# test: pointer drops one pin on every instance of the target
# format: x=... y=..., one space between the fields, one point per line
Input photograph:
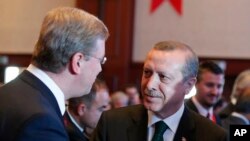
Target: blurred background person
x=119 y=99
x=241 y=82
x=84 y=112
x=220 y=105
x=209 y=86
x=241 y=113
x=133 y=94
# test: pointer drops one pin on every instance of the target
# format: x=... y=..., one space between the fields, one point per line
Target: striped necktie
x=160 y=128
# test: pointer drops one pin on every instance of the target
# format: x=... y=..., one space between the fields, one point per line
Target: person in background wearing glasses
x=84 y=112
x=63 y=66
x=169 y=73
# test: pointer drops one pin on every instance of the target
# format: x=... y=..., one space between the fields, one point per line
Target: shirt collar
x=170 y=121
x=203 y=111
x=57 y=92
x=235 y=114
x=73 y=120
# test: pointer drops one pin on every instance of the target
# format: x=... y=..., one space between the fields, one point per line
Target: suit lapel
x=190 y=105
x=138 y=129
x=45 y=91
x=186 y=127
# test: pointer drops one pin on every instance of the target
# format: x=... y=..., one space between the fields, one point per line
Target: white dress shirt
x=172 y=122
x=57 y=92
x=73 y=120
x=202 y=111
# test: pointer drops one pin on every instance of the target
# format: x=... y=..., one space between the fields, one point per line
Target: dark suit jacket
x=232 y=120
x=224 y=113
x=130 y=124
x=74 y=133
x=189 y=103
x=29 y=111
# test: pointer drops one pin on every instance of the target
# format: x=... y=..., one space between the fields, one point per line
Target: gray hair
x=242 y=81
x=66 y=31
x=190 y=68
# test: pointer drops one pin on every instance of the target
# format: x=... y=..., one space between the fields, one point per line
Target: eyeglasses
x=102 y=60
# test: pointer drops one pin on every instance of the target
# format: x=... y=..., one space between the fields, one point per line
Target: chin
x=152 y=107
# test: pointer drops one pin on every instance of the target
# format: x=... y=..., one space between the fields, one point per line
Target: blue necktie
x=160 y=128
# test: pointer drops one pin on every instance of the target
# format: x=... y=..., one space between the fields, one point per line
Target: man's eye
x=210 y=85
x=164 y=78
x=147 y=73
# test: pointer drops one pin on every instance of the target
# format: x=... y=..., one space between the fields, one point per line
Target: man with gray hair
x=241 y=82
x=169 y=73
x=66 y=60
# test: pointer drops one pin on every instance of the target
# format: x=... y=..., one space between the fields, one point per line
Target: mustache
x=152 y=93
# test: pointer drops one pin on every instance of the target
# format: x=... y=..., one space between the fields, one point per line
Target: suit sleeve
x=42 y=128
x=100 y=132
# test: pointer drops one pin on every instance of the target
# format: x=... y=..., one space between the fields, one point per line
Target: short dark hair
x=210 y=66
x=88 y=98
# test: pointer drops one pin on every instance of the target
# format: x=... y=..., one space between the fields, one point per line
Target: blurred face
x=91 y=116
x=120 y=102
x=209 y=88
x=131 y=92
x=133 y=95
x=92 y=66
x=163 y=89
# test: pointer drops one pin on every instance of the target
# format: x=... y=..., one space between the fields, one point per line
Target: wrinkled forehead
x=165 y=61
x=175 y=56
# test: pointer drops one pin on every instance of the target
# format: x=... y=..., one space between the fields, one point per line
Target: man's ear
x=189 y=84
x=76 y=62
x=81 y=109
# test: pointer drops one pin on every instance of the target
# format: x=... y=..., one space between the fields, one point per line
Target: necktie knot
x=208 y=115
x=160 y=128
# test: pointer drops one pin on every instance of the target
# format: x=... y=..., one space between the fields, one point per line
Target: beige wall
x=214 y=28
x=20 y=22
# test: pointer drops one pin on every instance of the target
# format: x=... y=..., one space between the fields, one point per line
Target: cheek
x=221 y=90
x=203 y=90
x=143 y=83
x=166 y=92
x=172 y=93
x=94 y=69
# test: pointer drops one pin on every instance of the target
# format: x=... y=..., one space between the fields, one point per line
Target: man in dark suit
x=65 y=63
x=84 y=112
x=169 y=73
x=209 y=86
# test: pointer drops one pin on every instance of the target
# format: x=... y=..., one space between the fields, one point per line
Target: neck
x=59 y=79
x=88 y=131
